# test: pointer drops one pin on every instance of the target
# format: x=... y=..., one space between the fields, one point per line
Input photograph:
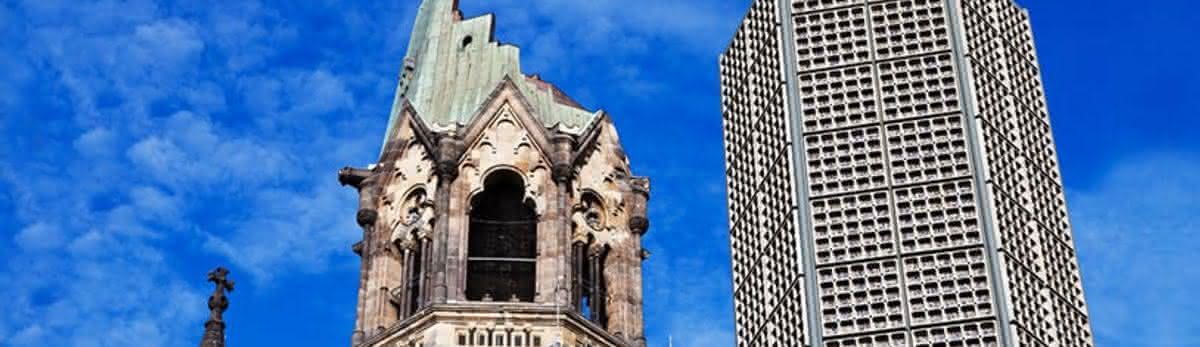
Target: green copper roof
x=453 y=65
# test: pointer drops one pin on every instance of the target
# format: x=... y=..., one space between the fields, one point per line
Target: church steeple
x=452 y=65
x=501 y=212
x=433 y=17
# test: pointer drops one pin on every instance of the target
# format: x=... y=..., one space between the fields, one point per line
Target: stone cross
x=214 y=328
x=218 y=302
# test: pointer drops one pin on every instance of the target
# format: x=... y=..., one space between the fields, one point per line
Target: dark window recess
x=593 y=288
x=414 y=281
x=502 y=245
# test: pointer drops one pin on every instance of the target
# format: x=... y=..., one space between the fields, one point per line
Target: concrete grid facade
x=893 y=179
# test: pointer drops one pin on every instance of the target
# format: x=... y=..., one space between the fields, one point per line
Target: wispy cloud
x=143 y=137
x=1136 y=234
x=613 y=34
x=180 y=143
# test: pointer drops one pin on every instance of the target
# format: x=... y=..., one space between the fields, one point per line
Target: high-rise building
x=501 y=212
x=893 y=180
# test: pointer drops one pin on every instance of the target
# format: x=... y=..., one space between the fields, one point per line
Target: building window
x=502 y=244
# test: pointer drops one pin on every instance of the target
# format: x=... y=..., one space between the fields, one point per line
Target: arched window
x=502 y=242
x=590 y=260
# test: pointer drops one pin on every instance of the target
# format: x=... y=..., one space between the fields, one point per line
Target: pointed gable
x=507 y=104
x=409 y=128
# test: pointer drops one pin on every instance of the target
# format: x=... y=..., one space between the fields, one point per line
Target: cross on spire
x=218 y=302
x=214 y=328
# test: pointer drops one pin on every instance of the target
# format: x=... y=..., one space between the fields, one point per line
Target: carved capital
x=639 y=224
x=596 y=250
x=367 y=217
x=564 y=145
x=580 y=238
x=447 y=170
x=408 y=244
x=562 y=172
x=449 y=149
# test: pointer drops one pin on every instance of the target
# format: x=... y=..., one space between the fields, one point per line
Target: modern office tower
x=893 y=180
x=501 y=212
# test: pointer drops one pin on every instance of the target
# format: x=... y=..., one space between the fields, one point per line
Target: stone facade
x=519 y=224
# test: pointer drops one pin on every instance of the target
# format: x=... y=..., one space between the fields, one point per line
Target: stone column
x=564 y=146
x=596 y=296
x=365 y=182
x=577 y=261
x=366 y=219
x=637 y=336
x=639 y=224
x=450 y=149
x=400 y=293
x=392 y=274
x=358 y=335
x=425 y=281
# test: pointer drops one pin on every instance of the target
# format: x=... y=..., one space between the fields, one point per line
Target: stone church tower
x=501 y=212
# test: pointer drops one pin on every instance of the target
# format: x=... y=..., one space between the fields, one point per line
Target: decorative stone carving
x=414 y=221
x=366 y=217
x=600 y=174
x=506 y=143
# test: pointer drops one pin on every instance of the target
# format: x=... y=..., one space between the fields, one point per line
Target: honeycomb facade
x=893 y=179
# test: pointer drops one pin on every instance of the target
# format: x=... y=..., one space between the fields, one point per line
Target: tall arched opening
x=502 y=241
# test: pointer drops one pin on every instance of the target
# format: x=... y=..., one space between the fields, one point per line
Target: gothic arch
x=502 y=241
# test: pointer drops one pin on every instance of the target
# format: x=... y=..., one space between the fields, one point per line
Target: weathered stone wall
x=415 y=212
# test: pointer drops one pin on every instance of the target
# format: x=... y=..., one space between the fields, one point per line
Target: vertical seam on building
x=890 y=185
x=800 y=175
x=1000 y=295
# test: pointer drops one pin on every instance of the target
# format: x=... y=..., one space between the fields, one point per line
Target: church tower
x=500 y=212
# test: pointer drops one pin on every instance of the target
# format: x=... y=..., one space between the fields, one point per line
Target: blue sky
x=142 y=143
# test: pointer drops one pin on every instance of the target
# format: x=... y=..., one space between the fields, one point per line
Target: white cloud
x=300 y=231
x=40 y=237
x=191 y=153
x=165 y=42
x=610 y=33
x=96 y=142
x=1136 y=235
x=162 y=138
x=316 y=93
